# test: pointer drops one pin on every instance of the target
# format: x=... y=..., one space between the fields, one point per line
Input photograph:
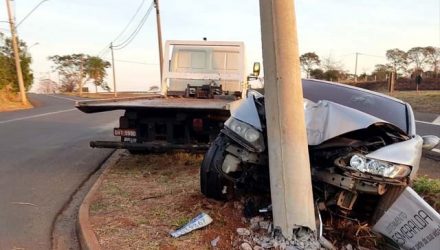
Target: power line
x=136 y=31
x=106 y=49
x=134 y=62
x=129 y=22
x=30 y=12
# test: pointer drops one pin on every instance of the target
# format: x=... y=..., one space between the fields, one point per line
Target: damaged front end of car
x=360 y=163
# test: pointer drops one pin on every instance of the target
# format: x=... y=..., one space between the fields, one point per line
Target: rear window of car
x=379 y=106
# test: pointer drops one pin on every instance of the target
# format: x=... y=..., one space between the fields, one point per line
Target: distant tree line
x=415 y=61
x=77 y=69
x=8 y=72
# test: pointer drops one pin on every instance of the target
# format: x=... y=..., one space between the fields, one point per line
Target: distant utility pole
x=289 y=166
x=81 y=72
x=356 y=67
x=24 y=99
x=114 y=72
x=159 y=37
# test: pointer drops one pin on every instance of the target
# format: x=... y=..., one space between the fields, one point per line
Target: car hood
x=326 y=120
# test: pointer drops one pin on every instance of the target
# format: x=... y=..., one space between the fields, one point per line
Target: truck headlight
x=376 y=167
x=250 y=135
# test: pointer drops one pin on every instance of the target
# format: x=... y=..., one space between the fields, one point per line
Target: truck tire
x=211 y=181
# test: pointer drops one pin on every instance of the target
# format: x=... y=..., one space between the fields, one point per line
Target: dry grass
x=424 y=101
x=11 y=101
x=143 y=198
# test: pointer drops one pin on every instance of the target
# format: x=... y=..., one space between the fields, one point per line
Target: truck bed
x=154 y=102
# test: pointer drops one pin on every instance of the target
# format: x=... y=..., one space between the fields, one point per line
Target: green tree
x=8 y=73
x=77 y=69
x=309 y=61
x=433 y=58
x=334 y=75
x=317 y=74
x=417 y=56
x=95 y=68
x=71 y=70
x=398 y=59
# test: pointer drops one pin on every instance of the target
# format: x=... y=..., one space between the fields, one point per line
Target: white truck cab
x=204 y=69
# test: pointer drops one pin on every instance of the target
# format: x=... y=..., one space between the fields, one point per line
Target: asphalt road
x=427 y=124
x=44 y=157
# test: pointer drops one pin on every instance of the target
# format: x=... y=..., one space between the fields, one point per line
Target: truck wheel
x=211 y=181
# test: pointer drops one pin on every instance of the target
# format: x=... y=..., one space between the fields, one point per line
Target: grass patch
x=429 y=189
x=97 y=206
x=424 y=101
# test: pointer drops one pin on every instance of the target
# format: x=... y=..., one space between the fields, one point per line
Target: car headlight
x=376 y=167
x=247 y=132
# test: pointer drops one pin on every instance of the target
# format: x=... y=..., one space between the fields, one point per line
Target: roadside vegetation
x=416 y=61
x=429 y=189
x=9 y=99
x=423 y=101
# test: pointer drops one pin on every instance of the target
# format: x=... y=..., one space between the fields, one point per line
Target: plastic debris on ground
x=201 y=220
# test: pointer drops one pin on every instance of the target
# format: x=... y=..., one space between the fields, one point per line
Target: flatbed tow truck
x=200 y=81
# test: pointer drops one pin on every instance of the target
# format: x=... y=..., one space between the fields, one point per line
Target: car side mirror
x=430 y=142
x=256 y=69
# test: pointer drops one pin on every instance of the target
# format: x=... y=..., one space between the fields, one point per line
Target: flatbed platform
x=154 y=102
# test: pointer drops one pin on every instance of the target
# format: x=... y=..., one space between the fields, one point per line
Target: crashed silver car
x=362 y=145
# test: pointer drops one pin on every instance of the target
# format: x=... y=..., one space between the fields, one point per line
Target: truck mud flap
x=150 y=146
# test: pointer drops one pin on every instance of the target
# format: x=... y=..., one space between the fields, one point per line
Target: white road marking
x=437 y=120
x=429 y=123
x=35 y=116
x=65 y=98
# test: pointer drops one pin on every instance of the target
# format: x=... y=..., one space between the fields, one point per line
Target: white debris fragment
x=199 y=221
x=243 y=232
x=245 y=246
x=214 y=242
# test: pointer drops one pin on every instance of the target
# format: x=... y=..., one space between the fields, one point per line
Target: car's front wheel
x=212 y=183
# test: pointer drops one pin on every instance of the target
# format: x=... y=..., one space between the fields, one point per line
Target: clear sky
x=328 y=27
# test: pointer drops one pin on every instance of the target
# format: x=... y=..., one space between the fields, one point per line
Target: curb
x=86 y=236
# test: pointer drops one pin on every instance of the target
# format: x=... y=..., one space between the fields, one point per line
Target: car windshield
x=388 y=109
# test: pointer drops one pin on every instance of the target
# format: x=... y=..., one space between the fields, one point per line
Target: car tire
x=386 y=201
x=212 y=182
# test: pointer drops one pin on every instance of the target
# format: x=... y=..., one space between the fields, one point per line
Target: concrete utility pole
x=290 y=177
x=24 y=99
x=159 y=37
x=114 y=72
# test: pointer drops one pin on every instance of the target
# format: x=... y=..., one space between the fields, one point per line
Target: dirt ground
x=430 y=168
x=145 y=197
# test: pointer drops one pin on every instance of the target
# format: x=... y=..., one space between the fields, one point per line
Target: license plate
x=124 y=132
